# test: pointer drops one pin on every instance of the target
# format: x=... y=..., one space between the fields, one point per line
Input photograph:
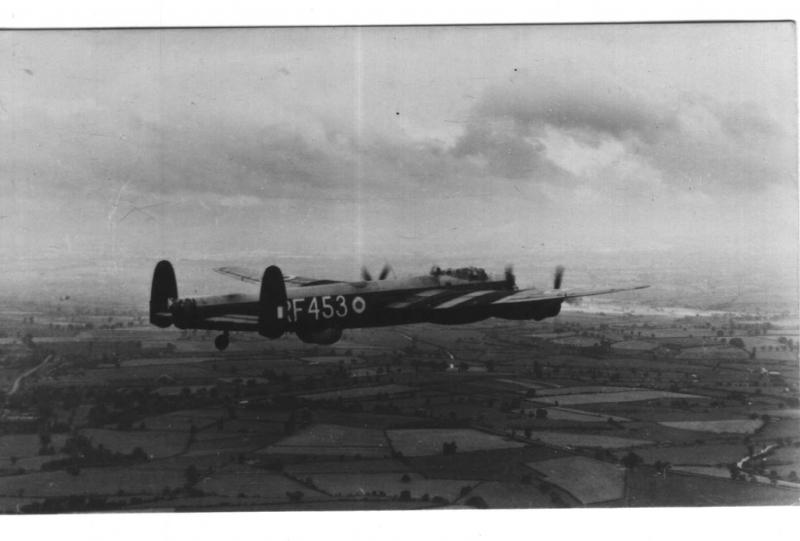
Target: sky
x=398 y=142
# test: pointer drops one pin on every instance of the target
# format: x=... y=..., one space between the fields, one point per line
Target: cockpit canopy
x=473 y=274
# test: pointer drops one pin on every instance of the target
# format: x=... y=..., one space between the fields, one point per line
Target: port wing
x=251 y=276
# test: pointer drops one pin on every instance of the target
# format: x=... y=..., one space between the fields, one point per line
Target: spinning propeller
x=367 y=277
x=558 y=277
x=511 y=280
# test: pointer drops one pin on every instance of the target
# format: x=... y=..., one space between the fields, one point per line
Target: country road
x=17 y=382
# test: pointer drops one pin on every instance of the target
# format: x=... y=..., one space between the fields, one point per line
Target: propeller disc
x=367 y=276
x=558 y=277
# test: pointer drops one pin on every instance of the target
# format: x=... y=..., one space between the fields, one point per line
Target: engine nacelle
x=324 y=336
x=536 y=313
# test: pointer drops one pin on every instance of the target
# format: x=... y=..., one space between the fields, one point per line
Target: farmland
x=605 y=406
x=423 y=442
x=736 y=426
x=589 y=481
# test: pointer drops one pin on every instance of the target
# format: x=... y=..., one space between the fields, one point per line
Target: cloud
x=687 y=140
x=335 y=139
x=507 y=150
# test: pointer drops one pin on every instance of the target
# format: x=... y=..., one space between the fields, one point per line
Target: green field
x=305 y=469
x=359 y=392
x=726 y=426
x=155 y=443
x=784 y=460
x=25 y=445
x=333 y=440
x=253 y=483
x=390 y=484
x=589 y=481
x=568 y=414
x=621 y=396
x=566 y=439
x=583 y=389
x=430 y=441
x=498 y=495
x=708 y=454
x=107 y=481
x=181 y=421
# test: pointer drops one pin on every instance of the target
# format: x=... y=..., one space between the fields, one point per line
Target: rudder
x=163 y=288
x=272 y=304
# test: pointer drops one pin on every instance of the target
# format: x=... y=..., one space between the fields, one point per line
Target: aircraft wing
x=533 y=295
x=253 y=277
x=447 y=299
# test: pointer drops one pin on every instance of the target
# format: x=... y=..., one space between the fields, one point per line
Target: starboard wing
x=253 y=277
x=534 y=295
x=442 y=299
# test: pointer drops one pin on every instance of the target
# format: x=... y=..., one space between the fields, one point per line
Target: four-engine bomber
x=317 y=311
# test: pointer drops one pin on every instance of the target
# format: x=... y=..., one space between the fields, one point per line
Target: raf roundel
x=359 y=305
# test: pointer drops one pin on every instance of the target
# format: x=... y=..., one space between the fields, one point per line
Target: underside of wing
x=254 y=277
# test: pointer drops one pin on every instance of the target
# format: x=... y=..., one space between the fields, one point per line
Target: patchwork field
x=161 y=361
x=359 y=392
x=713 y=352
x=252 y=483
x=229 y=443
x=732 y=426
x=389 y=484
x=568 y=414
x=108 y=481
x=499 y=495
x=324 y=439
x=576 y=341
x=711 y=471
x=156 y=444
x=31 y=463
x=566 y=439
x=522 y=383
x=589 y=481
x=784 y=461
x=284 y=441
x=330 y=359
x=785 y=413
x=15 y=504
x=305 y=469
x=782 y=428
x=619 y=396
x=182 y=420
x=709 y=454
x=25 y=445
x=634 y=345
x=430 y=441
x=582 y=389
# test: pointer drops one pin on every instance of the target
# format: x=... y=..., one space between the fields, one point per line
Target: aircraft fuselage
x=355 y=304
